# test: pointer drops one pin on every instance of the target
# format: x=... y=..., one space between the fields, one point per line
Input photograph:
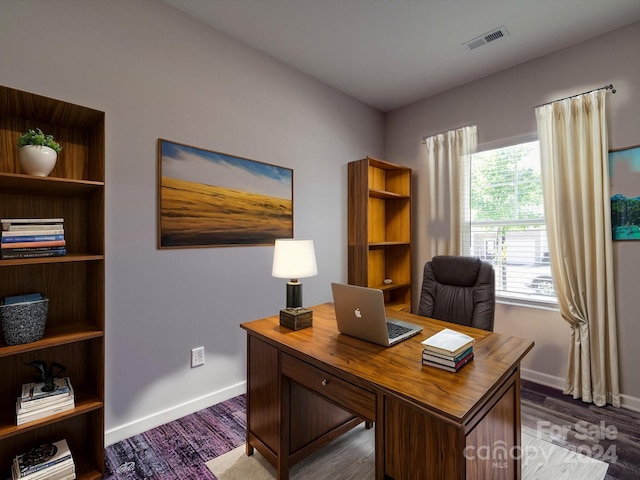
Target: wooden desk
x=307 y=387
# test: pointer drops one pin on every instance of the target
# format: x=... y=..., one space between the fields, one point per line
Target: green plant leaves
x=37 y=137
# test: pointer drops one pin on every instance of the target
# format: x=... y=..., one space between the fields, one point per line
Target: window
x=504 y=221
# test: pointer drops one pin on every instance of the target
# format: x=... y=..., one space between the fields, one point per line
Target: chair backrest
x=459 y=290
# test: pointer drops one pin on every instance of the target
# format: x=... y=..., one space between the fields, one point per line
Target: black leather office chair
x=459 y=290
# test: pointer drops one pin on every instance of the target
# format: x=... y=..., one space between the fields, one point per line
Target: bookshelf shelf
x=70 y=257
x=8 y=427
x=394 y=286
x=21 y=183
x=74 y=283
x=374 y=245
x=386 y=195
x=53 y=338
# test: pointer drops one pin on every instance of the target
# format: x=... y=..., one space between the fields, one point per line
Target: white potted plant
x=38 y=152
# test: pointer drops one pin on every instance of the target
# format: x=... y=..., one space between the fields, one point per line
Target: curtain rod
x=606 y=87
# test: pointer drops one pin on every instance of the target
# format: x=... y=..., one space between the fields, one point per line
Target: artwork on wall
x=212 y=199
x=624 y=172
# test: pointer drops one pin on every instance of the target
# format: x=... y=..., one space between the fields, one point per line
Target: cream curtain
x=575 y=181
x=447 y=156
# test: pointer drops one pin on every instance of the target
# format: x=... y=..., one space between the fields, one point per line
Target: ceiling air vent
x=486 y=38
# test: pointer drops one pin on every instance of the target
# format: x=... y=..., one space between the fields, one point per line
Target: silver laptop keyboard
x=395 y=330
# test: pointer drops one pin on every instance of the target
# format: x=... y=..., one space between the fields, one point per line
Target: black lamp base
x=296 y=318
x=294 y=294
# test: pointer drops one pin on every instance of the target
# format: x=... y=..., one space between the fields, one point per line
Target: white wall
x=502 y=106
x=158 y=73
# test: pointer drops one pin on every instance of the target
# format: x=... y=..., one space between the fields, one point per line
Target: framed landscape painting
x=624 y=173
x=212 y=199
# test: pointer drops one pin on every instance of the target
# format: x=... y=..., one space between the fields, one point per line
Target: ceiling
x=389 y=53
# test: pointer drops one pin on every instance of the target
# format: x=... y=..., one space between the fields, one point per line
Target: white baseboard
x=542 y=378
x=136 y=427
x=626 y=401
x=630 y=403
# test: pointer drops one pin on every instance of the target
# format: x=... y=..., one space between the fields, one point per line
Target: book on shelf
x=61 y=471
x=29 y=401
x=448 y=342
x=31 y=249
x=42 y=403
x=25 y=232
x=70 y=476
x=44 y=237
x=34 y=391
x=449 y=368
x=10 y=222
x=44 y=462
x=16 y=228
x=47 y=243
x=25 y=298
x=68 y=473
x=9 y=254
x=45 y=412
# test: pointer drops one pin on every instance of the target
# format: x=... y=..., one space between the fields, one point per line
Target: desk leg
x=282 y=462
x=379 y=437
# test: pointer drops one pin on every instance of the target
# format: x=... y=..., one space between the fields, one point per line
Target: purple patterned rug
x=178 y=450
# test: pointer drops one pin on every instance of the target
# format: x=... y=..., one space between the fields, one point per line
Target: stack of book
x=448 y=350
x=36 y=403
x=51 y=461
x=32 y=238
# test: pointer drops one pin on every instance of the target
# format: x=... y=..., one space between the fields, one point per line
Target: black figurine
x=47 y=376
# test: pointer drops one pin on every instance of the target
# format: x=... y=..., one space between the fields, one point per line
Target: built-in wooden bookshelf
x=74 y=284
x=379 y=216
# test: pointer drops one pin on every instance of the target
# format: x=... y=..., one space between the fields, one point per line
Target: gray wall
x=502 y=106
x=158 y=73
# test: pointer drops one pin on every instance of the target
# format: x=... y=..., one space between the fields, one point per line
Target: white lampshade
x=294 y=259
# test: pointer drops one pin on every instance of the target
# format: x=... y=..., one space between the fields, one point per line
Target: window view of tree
x=506 y=219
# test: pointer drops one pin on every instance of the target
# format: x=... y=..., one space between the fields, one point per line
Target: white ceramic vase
x=37 y=160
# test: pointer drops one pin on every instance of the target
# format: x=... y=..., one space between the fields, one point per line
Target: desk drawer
x=344 y=394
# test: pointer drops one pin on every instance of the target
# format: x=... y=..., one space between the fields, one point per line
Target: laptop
x=360 y=313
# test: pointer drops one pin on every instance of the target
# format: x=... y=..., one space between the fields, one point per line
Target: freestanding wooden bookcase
x=74 y=284
x=379 y=216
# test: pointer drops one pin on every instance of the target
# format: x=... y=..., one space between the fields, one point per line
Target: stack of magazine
x=37 y=401
x=448 y=350
x=51 y=461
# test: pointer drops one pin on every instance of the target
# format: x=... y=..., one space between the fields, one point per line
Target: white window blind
x=504 y=221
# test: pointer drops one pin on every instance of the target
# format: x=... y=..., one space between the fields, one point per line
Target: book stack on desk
x=448 y=350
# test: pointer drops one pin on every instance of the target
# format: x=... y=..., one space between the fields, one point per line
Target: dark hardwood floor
x=606 y=433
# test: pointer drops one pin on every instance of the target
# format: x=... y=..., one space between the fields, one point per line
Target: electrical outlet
x=197 y=357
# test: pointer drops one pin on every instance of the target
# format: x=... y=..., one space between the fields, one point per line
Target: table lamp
x=294 y=259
